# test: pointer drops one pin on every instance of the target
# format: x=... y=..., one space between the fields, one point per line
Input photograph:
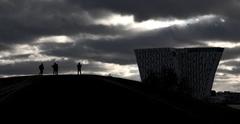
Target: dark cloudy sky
x=103 y=34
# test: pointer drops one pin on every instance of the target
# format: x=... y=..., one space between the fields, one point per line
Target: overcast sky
x=102 y=34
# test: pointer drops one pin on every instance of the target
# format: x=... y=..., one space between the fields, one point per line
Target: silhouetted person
x=41 y=68
x=55 y=68
x=79 y=68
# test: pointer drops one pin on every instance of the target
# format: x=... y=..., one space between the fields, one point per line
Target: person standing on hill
x=41 y=68
x=79 y=68
x=55 y=68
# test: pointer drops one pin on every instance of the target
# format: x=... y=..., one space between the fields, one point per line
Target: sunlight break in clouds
x=151 y=24
x=225 y=67
x=108 y=69
x=226 y=81
x=222 y=44
x=30 y=53
x=129 y=21
x=118 y=70
x=55 y=39
x=20 y=49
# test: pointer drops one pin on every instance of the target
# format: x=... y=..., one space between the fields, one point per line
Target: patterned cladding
x=195 y=67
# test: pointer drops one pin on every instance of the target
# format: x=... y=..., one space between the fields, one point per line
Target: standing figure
x=79 y=68
x=55 y=68
x=41 y=68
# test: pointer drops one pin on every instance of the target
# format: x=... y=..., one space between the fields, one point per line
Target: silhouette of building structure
x=193 y=69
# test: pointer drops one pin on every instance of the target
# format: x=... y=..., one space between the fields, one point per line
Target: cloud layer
x=104 y=34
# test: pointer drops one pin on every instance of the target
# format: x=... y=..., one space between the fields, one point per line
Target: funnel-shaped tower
x=191 y=69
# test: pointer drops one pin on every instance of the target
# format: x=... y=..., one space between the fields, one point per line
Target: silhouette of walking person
x=79 y=68
x=41 y=68
x=55 y=68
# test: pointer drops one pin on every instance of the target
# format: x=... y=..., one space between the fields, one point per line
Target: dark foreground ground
x=95 y=98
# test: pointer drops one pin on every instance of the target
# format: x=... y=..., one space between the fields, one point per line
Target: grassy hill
x=103 y=97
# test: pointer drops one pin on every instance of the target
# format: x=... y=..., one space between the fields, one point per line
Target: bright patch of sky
x=226 y=81
x=20 y=49
x=225 y=44
x=151 y=24
x=118 y=70
x=55 y=39
x=225 y=67
x=110 y=69
x=30 y=52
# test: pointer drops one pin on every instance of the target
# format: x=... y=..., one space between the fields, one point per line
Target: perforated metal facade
x=195 y=68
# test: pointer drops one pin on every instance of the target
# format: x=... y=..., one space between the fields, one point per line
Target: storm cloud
x=104 y=34
x=145 y=9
